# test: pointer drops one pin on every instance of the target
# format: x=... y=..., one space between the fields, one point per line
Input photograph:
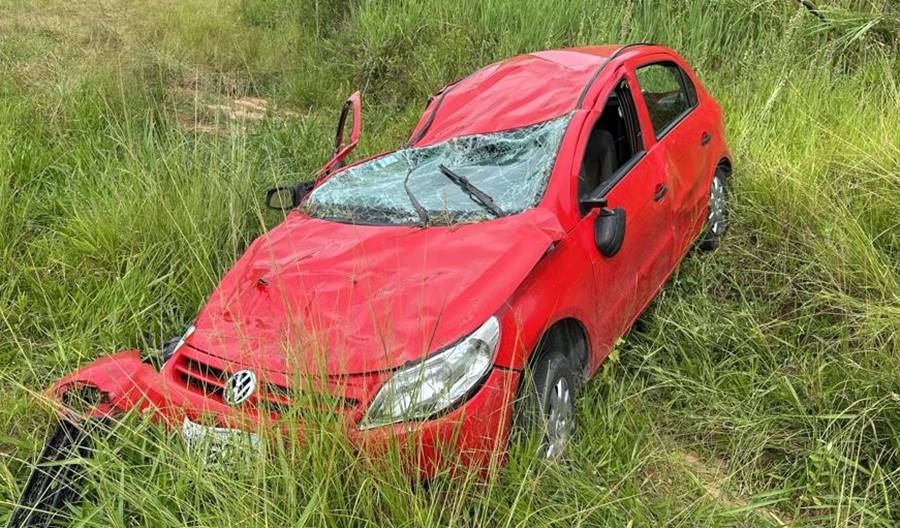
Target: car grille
x=274 y=398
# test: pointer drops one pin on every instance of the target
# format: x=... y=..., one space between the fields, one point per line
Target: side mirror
x=609 y=231
x=285 y=198
x=592 y=202
x=343 y=146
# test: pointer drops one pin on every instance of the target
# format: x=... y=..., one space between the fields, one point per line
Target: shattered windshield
x=463 y=179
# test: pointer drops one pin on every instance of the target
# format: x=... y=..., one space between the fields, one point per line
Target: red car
x=469 y=281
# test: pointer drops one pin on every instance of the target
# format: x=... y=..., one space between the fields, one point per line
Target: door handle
x=705 y=138
x=661 y=190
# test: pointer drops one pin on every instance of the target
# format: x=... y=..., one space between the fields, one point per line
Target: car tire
x=717 y=217
x=547 y=403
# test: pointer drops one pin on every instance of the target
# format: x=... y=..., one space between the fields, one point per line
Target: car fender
x=546 y=297
x=126 y=380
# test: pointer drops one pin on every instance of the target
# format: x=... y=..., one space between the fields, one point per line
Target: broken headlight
x=437 y=382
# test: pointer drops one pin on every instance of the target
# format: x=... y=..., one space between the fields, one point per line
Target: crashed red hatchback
x=486 y=267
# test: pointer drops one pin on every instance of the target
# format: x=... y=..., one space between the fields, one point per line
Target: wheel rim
x=561 y=419
x=718 y=214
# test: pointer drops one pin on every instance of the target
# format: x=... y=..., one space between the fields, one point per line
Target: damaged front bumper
x=474 y=434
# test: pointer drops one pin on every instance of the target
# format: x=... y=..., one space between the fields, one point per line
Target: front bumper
x=474 y=434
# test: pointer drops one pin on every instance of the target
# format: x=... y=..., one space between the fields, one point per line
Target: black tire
x=53 y=483
x=717 y=219
x=544 y=414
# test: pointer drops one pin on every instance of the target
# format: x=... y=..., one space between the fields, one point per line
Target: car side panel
x=574 y=280
x=560 y=287
x=683 y=160
x=681 y=151
x=689 y=160
x=544 y=298
x=627 y=281
x=717 y=149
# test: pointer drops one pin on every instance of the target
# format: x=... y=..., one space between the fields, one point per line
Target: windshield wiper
x=474 y=193
x=423 y=214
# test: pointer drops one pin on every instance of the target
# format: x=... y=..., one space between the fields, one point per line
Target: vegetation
x=762 y=388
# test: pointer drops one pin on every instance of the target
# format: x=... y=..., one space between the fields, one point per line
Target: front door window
x=614 y=144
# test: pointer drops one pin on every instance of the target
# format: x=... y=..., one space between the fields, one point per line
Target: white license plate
x=219 y=445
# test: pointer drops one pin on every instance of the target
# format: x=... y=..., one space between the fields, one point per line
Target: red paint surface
x=346 y=304
x=373 y=297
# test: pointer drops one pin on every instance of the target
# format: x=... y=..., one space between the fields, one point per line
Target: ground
x=762 y=387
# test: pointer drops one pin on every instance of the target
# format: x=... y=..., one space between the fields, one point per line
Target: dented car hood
x=314 y=295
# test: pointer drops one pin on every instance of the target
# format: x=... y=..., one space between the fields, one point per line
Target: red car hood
x=313 y=294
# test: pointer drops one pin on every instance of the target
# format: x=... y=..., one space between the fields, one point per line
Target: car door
x=637 y=188
x=670 y=101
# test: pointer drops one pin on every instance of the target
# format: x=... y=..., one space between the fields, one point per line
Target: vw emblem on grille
x=239 y=387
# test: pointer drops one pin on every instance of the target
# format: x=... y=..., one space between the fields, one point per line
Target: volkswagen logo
x=239 y=387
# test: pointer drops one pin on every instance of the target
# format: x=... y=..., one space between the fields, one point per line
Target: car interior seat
x=600 y=161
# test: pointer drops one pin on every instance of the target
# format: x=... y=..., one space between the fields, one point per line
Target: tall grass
x=762 y=387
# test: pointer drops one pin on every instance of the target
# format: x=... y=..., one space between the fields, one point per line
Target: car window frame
x=603 y=190
x=683 y=80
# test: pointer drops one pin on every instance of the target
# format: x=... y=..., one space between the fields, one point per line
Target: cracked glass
x=408 y=186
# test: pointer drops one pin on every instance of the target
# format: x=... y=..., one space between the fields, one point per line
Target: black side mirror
x=609 y=231
x=591 y=202
x=284 y=198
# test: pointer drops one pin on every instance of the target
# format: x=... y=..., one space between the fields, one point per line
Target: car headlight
x=437 y=382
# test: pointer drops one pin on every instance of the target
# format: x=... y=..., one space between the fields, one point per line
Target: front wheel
x=548 y=403
x=717 y=220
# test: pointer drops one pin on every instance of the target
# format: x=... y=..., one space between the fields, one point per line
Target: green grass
x=763 y=385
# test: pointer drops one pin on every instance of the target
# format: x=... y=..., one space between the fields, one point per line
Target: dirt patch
x=249 y=108
x=205 y=113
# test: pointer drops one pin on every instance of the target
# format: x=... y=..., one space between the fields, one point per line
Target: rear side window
x=668 y=92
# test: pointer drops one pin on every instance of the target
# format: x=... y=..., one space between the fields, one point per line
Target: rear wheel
x=547 y=404
x=717 y=220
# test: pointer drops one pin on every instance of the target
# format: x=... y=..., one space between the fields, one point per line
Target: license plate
x=219 y=445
